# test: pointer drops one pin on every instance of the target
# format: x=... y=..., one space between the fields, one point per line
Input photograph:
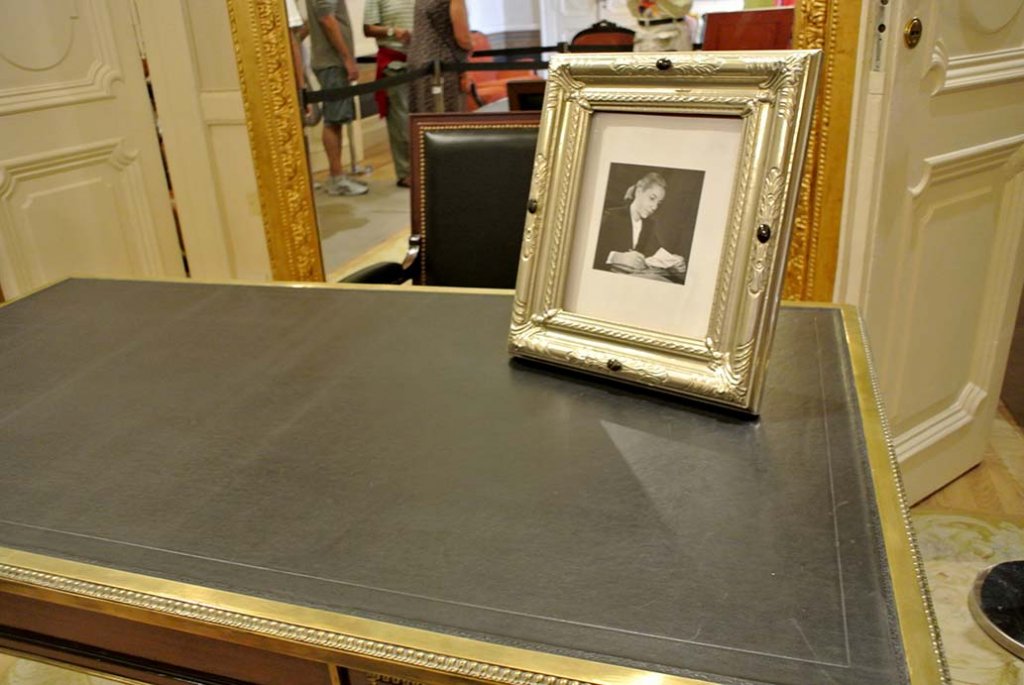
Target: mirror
x=360 y=187
x=286 y=181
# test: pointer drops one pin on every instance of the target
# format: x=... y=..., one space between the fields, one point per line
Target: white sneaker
x=341 y=185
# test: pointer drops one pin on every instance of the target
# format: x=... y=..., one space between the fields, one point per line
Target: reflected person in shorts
x=334 y=63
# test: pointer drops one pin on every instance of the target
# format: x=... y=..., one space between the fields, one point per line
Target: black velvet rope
x=332 y=94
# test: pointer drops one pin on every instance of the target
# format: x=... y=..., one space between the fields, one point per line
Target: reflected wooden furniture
x=226 y=483
x=762 y=29
x=526 y=95
x=488 y=86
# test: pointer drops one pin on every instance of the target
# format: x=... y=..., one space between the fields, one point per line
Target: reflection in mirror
x=361 y=198
x=351 y=226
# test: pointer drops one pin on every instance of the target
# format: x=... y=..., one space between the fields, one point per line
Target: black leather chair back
x=470 y=184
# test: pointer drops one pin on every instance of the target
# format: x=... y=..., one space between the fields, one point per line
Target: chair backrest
x=470 y=187
x=606 y=35
x=764 y=29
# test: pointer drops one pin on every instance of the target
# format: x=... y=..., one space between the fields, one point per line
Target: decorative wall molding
x=138 y=227
x=939 y=426
x=967 y=161
x=97 y=83
x=1002 y=164
x=989 y=16
x=222 y=108
x=938 y=66
x=983 y=70
x=60 y=160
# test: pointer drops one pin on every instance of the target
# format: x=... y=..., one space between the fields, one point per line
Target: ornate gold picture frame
x=661 y=206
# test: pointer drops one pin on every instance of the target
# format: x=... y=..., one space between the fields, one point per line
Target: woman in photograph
x=629 y=240
x=440 y=31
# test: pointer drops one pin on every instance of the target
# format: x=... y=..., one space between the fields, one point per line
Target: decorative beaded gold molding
x=831 y=26
x=285 y=631
x=925 y=659
x=259 y=32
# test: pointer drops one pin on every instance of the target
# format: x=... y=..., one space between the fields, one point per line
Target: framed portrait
x=662 y=198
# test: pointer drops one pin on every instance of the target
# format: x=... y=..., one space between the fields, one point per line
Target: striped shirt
x=396 y=13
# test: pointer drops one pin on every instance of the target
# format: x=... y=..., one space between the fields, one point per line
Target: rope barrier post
x=437 y=87
x=354 y=133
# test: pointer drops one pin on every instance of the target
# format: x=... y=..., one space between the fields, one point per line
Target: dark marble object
x=997 y=603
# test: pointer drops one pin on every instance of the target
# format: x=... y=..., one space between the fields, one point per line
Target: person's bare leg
x=332 y=146
x=338 y=183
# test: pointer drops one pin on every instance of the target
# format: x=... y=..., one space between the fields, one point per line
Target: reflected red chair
x=489 y=86
x=604 y=36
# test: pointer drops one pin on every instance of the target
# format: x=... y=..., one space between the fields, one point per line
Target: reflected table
x=230 y=483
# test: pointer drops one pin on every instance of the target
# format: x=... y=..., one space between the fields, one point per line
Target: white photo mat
x=708 y=144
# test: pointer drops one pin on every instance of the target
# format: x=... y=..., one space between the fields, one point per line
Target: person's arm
x=300 y=76
x=381 y=31
x=460 y=24
x=332 y=30
x=374 y=27
x=631 y=260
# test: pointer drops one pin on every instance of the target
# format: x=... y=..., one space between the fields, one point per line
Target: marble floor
x=352 y=229
x=972 y=523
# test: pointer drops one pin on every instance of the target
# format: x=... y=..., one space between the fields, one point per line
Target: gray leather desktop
x=374 y=453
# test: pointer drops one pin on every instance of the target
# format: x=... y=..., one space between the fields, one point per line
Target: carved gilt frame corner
x=259 y=32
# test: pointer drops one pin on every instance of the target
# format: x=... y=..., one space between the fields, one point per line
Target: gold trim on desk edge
x=65 y=582
x=922 y=643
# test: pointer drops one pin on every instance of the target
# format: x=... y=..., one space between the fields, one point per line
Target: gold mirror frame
x=259 y=31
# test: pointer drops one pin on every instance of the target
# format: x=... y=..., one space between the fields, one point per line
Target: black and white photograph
x=653 y=210
x=648 y=220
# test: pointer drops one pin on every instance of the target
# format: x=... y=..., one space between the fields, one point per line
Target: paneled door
x=935 y=213
x=560 y=20
x=82 y=186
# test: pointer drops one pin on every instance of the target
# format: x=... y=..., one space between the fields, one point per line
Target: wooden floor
x=994 y=487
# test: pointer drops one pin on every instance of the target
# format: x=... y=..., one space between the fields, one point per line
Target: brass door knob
x=912 y=32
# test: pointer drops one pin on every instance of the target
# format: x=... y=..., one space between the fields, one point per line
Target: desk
x=285 y=484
